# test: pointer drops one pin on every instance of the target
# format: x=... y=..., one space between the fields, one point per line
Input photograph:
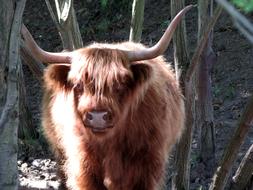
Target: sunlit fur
x=148 y=118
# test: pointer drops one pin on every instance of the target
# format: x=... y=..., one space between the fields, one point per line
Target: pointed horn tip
x=158 y=51
x=188 y=7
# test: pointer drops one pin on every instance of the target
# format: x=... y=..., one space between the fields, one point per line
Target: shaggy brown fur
x=148 y=116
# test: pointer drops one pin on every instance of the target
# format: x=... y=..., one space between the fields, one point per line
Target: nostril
x=89 y=116
x=107 y=116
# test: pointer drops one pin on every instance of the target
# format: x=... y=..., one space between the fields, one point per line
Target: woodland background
x=109 y=21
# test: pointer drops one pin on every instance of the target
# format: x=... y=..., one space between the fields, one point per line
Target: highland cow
x=113 y=114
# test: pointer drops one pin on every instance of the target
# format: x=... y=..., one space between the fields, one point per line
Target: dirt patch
x=232 y=76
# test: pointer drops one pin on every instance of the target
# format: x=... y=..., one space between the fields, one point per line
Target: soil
x=232 y=77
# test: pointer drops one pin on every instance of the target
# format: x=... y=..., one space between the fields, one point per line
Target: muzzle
x=98 y=120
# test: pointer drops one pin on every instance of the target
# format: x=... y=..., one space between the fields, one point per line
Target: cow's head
x=102 y=79
x=103 y=82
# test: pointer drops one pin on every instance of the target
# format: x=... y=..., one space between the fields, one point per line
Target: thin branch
x=137 y=20
x=244 y=171
x=54 y=18
x=202 y=44
x=242 y=23
x=236 y=14
x=244 y=31
x=66 y=23
x=222 y=173
x=57 y=6
x=64 y=10
x=181 y=178
x=184 y=143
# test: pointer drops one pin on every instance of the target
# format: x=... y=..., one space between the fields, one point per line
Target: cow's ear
x=141 y=72
x=56 y=76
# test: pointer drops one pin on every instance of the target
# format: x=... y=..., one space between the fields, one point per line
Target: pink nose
x=98 y=120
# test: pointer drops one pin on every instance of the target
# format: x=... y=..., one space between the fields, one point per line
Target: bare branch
x=202 y=44
x=223 y=170
x=244 y=31
x=244 y=171
x=137 y=20
x=54 y=18
x=65 y=20
x=242 y=23
x=181 y=178
x=63 y=10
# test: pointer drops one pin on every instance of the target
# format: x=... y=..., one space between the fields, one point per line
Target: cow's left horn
x=43 y=56
x=162 y=44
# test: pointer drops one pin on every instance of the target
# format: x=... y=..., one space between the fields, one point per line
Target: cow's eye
x=120 y=91
x=78 y=88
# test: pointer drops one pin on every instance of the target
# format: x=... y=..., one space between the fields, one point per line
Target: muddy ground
x=232 y=76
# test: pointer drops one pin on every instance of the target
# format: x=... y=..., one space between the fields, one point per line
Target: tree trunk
x=65 y=20
x=137 y=20
x=181 y=179
x=181 y=58
x=10 y=22
x=203 y=85
x=181 y=61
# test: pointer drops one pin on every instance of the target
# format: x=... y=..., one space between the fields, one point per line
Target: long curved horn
x=44 y=56
x=162 y=44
